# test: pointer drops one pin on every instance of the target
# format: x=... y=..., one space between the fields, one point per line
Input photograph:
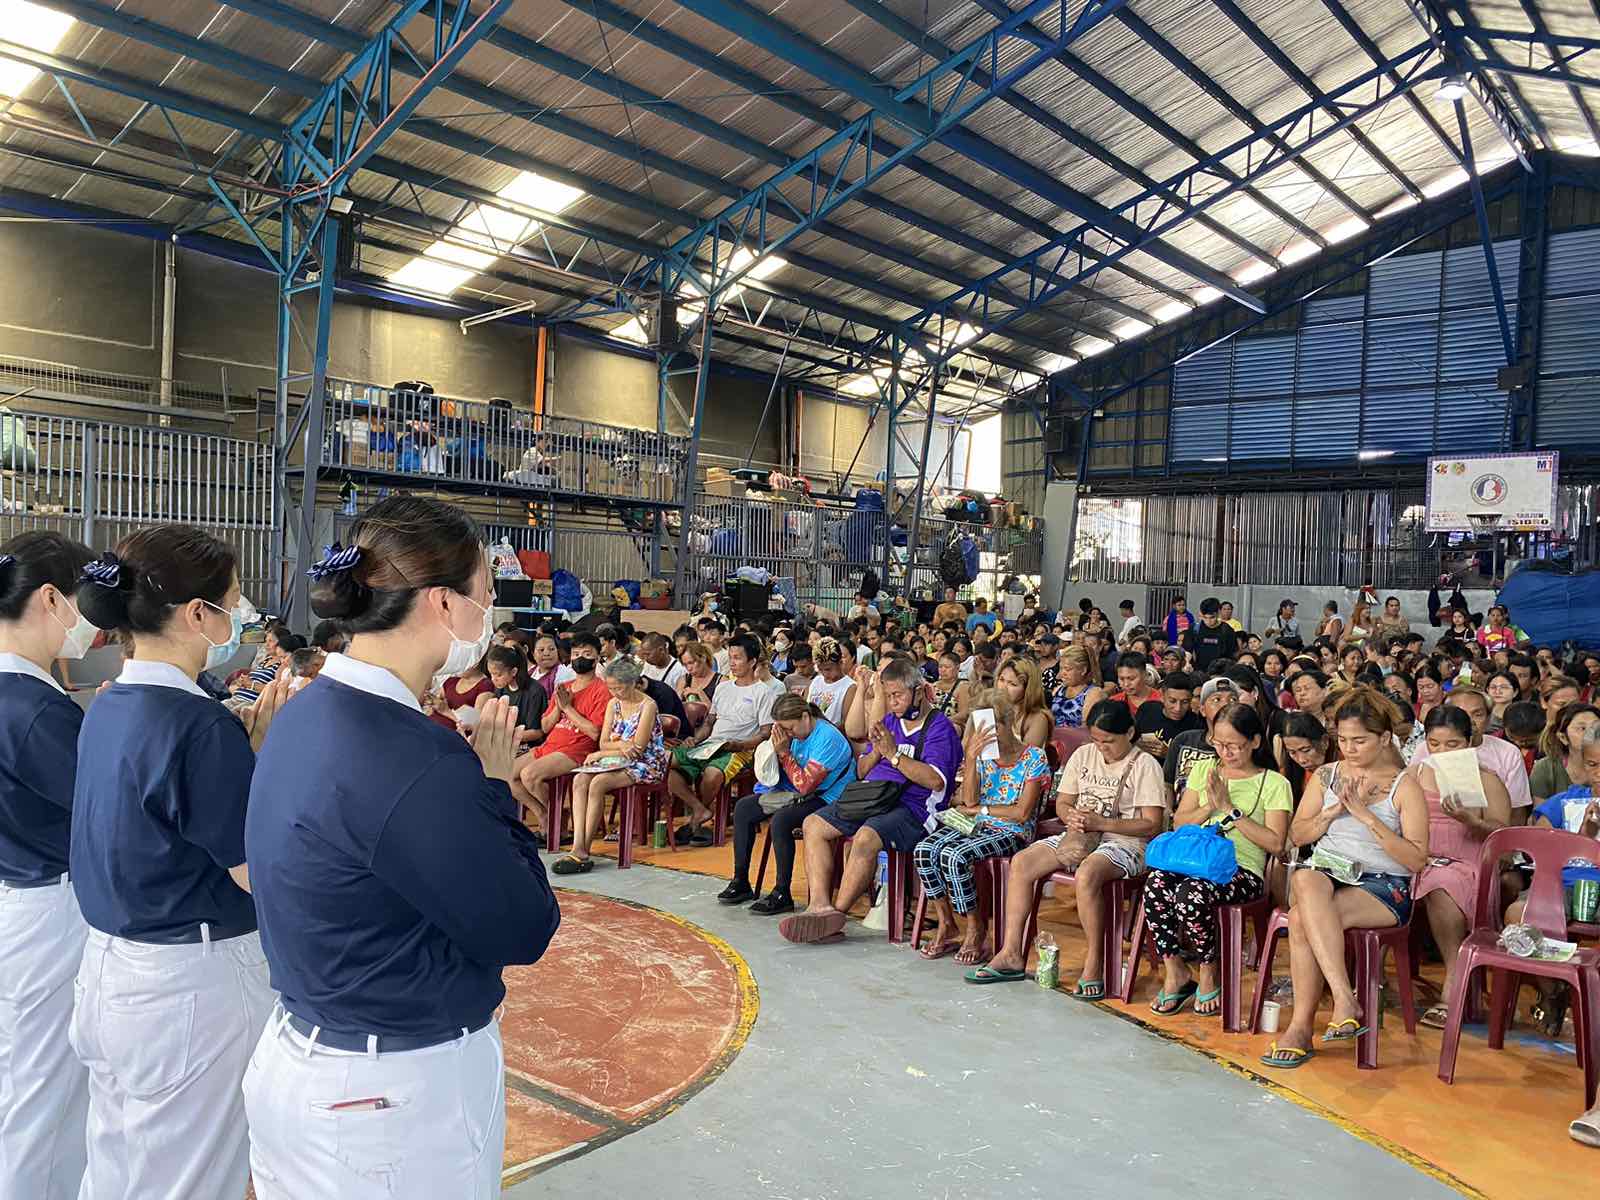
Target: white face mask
x=464 y=654
x=79 y=637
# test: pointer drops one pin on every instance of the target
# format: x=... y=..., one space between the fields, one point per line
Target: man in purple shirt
x=899 y=753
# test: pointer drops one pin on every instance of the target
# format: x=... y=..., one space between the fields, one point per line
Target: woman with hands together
x=631 y=739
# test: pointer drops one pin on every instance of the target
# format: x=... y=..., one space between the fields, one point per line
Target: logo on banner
x=1489 y=489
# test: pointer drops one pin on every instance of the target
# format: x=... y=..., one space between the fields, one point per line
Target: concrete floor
x=871 y=1073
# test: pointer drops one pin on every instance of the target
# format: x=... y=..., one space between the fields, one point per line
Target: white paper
x=466 y=717
x=982 y=719
x=1456 y=773
x=706 y=751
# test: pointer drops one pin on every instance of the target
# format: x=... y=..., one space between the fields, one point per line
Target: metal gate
x=99 y=482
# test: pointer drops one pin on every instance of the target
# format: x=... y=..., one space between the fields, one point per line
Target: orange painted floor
x=1499 y=1131
x=628 y=1013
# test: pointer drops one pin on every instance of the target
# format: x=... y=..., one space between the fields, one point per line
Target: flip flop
x=1206 y=998
x=571 y=865
x=1586 y=1129
x=987 y=974
x=937 y=950
x=1436 y=1017
x=1088 y=989
x=1168 y=1004
x=807 y=928
x=1346 y=1030
x=978 y=956
x=1297 y=1057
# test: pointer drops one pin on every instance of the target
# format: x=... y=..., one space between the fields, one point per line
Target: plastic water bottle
x=1048 y=971
x=883 y=868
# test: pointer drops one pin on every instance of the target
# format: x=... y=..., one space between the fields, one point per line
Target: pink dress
x=1449 y=839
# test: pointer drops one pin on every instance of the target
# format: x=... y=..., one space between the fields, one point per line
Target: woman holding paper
x=1465 y=804
x=1367 y=823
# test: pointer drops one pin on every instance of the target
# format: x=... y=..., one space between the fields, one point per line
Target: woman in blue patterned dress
x=1002 y=792
x=1078 y=692
x=630 y=738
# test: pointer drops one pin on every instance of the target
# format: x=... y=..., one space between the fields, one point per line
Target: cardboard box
x=542 y=587
x=731 y=489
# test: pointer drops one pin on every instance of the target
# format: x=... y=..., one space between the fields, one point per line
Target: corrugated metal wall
x=1569 y=368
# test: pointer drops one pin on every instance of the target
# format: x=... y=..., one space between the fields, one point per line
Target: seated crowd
x=943 y=738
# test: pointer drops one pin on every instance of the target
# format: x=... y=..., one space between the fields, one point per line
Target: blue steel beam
x=1522 y=134
x=1291 y=70
x=1100 y=380
x=720 y=67
x=1481 y=210
x=915 y=108
x=1150 y=119
x=1557 y=70
x=876 y=11
x=1053 y=266
x=1359 y=35
x=1548 y=42
x=1157 y=42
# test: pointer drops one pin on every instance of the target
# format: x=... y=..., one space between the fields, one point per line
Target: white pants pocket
x=147 y=1040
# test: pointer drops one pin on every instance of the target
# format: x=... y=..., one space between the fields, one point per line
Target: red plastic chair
x=636 y=811
x=1067 y=738
x=991 y=876
x=1546 y=910
x=1230 y=925
x=1364 y=950
x=555 y=813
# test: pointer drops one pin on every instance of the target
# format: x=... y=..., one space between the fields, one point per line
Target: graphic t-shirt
x=1152 y=718
x=1099 y=788
x=1184 y=753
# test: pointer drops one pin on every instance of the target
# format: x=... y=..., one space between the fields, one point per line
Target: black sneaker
x=773 y=903
x=735 y=893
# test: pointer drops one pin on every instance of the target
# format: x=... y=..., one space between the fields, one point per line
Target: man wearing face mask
x=571 y=725
x=41 y=927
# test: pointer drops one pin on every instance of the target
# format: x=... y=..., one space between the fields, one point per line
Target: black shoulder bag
x=864 y=799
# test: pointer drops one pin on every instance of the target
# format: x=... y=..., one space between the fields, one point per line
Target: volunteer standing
x=173 y=989
x=394 y=883
x=44 y=1090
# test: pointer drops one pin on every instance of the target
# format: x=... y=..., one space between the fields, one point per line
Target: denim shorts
x=1392 y=891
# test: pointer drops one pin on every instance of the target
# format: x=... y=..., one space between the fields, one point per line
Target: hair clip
x=6 y=560
x=106 y=571
x=336 y=560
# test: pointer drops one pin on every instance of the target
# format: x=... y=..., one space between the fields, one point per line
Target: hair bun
x=104 y=590
x=340 y=596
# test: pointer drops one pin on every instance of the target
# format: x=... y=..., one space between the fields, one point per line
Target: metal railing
x=98 y=482
x=468 y=443
x=42 y=379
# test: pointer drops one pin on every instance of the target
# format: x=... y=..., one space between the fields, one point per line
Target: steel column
x=691 y=465
x=1533 y=216
x=1482 y=212
x=922 y=483
x=316 y=408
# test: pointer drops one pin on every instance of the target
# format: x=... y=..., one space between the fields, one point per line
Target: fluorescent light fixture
x=1451 y=88
x=536 y=191
x=36 y=28
x=1297 y=251
x=1346 y=229
x=1253 y=271
x=461 y=256
x=495 y=228
x=1369 y=455
x=430 y=275
x=631 y=331
x=1447 y=182
x=1217 y=458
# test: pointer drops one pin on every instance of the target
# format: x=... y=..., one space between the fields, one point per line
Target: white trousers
x=166 y=1032
x=44 y=1090
x=442 y=1131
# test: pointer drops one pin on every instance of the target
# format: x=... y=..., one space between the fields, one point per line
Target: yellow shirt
x=1255 y=798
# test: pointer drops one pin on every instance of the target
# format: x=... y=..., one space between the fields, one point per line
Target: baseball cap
x=766 y=764
x=1220 y=684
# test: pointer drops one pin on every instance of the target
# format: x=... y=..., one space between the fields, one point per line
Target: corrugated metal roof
x=578 y=126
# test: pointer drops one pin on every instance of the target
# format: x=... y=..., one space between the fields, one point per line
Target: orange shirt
x=566 y=738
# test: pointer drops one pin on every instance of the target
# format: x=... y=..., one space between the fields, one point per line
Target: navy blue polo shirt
x=393 y=879
x=38 y=762
x=163 y=780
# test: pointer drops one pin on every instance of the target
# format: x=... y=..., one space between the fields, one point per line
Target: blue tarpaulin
x=1555 y=607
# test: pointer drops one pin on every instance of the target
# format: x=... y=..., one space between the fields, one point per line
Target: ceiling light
x=495 y=228
x=461 y=256
x=1451 y=88
x=34 y=27
x=536 y=191
x=430 y=275
x=1368 y=455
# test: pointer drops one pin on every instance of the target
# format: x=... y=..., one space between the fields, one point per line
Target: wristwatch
x=1236 y=815
x=895 y=760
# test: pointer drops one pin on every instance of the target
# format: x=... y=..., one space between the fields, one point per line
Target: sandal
x=571 y=865
x=1551 y=1012
x=988 y=974
x=1586 y=1129
x=1346 y=1030
x=967 y=957
x=942 y=948
x=1286 y=1058
x=1088 y=989
x=1211 y=997
x=808 y=927
x=1436 y=1017
x=1167 y=1004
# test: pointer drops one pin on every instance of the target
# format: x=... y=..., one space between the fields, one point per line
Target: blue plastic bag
x=565 y=591
x=1201 y=851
